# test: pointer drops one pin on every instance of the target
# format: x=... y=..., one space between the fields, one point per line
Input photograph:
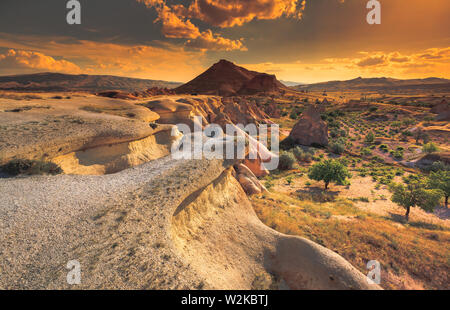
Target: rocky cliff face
x=261 y=83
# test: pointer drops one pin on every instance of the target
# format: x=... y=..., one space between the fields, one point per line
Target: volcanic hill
x=227 y=79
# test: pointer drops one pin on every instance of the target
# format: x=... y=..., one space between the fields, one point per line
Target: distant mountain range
x=379 y=84
x=224 y=78
x=291 y=84
x=67 y=82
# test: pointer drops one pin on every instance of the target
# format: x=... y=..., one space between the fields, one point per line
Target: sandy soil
x=379 y=199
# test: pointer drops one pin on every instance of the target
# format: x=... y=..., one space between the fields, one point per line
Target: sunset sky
x=298 y=40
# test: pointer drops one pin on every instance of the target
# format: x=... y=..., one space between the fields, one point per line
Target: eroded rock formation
x=162 y=225
x=310 y=129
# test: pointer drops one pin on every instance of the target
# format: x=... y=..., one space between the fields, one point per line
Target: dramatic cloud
x=229 y=13
x=397 y=57
x=207 y=41
x=174 y=27
x=34 y=61
x=176 y=19
x=160 y=62
x=372 y=61
x=426 y=63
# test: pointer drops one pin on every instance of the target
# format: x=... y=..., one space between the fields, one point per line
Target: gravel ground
x=115 y=225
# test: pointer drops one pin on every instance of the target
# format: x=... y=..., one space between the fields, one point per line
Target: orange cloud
x=162 y=62
x=35 y=61
x=397 y=57
x=372 y=61
x=174 y=27
x=176 y=23
x=426 y=63
x=207 y=41
x=229 y=13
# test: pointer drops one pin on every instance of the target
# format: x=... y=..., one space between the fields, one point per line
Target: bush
x=383 y=148
x=287 y=161
x=438 y=166
x=366 y=152
x=440 y=180
x=397 y=154
x=334 y=124
x=295 y=113
x=408 y=121
x=30 y=167
x=370 y=138
x=337 y=147
x=301 y=155
x=336 y=132
x=430 y=147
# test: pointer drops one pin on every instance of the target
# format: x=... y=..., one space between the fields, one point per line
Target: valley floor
x=361 y=224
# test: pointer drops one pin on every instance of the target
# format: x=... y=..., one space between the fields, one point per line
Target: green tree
x=415 y=193
x=430 y=147
x=329 y=171
x=370 y=138
x=440 y=180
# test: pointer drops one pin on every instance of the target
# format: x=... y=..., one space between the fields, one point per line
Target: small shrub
x=91 y=109
x=408 y=121
x=301 y=155
x=294 y=114
x=383 y=148
x=430 y=147
x=370 y=138
x=287 y=161
x=397 y=155
x=362 y=199
x=337 y=147
x=30 y=167
x=268 y=184
x=366 y=152
x=438 y=166
x=336 y=132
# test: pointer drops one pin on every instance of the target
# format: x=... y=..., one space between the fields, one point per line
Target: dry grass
x=414 y=255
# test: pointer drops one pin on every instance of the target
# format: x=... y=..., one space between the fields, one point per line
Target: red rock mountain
x=226 y=79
